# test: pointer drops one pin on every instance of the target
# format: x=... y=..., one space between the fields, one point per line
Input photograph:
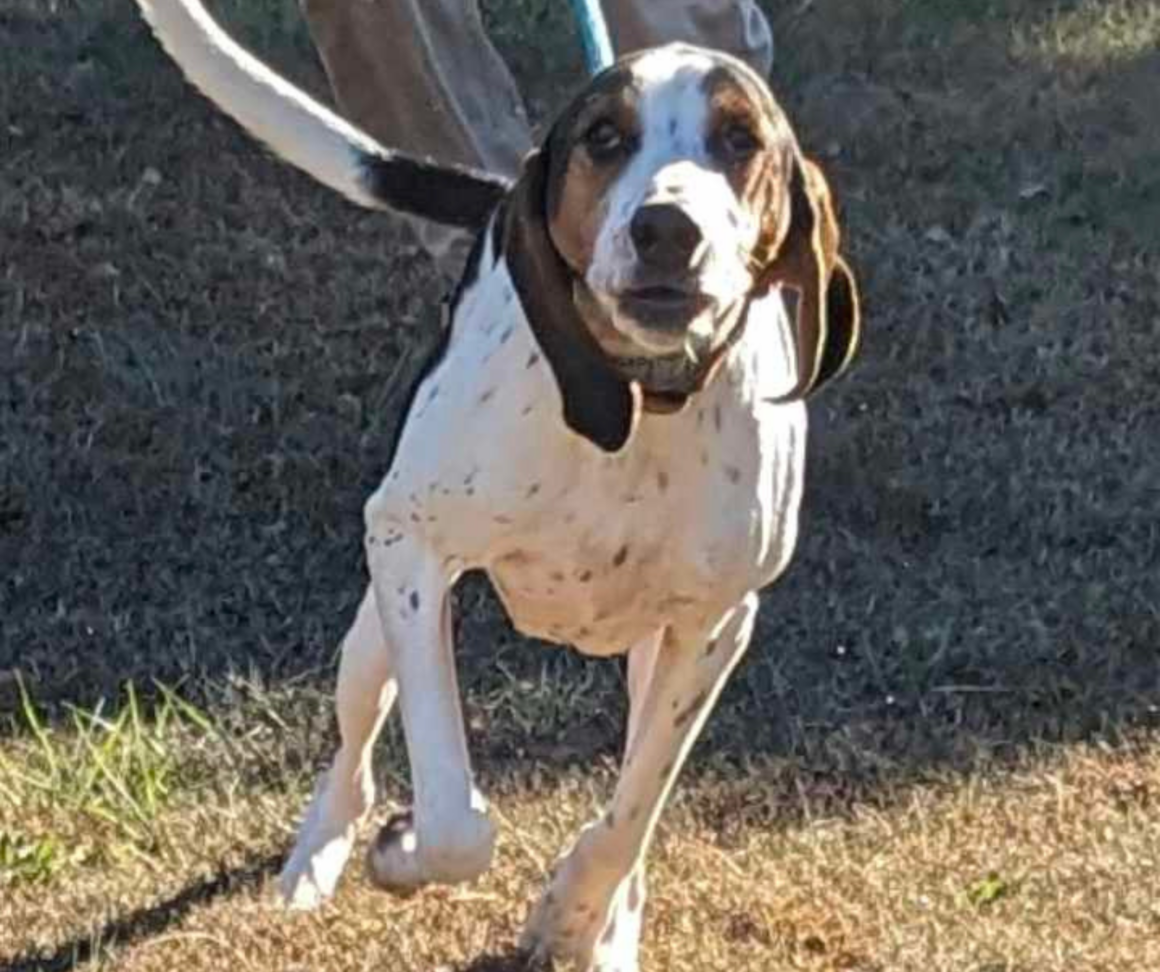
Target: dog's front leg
x=448 y=837
x=346 y=792
x=591 y=913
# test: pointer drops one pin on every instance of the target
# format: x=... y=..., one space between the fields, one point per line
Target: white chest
x=588 y=548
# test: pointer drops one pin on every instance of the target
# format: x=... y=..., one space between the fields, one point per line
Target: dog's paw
x=312 y=872
x=581 y=922
x=324 y=843
x=398 y=863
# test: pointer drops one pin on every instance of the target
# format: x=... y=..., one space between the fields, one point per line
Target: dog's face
x=669 y=194
x=668 y=187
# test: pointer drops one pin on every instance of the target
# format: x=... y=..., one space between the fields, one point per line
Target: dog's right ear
x=598 y=403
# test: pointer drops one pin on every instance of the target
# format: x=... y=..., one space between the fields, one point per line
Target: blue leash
x=594 y=35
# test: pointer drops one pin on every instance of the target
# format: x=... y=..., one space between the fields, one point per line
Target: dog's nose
x=664 y=236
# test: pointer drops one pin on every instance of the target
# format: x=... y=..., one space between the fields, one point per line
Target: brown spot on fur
x=717 y=422
x=634 y=813
x=532 y=490
x=733 y=473
x=533 y=359
x=557 y=576
x=662 y=480
x=735 y=102
x=621 y=556
x=486 y=396
x=711 y=648
x=690 y=710
x=579 y=183
x=585 y=576
x=414 y=600
x=610 y=819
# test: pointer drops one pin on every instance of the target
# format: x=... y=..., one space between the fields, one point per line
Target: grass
x=942 y=753
x=114 y=772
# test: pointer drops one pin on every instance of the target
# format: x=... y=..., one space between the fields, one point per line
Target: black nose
x=664 y=236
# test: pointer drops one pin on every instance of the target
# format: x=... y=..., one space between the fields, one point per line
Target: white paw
x=588 y=923
x=324 y=843
x=311 y=874
x=397 y=862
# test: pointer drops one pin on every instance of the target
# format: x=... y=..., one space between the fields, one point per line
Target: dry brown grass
x=1048 y=866
x=944 y=751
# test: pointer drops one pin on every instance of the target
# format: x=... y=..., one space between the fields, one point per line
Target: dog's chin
x=664 y=323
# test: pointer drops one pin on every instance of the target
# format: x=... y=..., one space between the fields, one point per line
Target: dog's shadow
x=151 y=920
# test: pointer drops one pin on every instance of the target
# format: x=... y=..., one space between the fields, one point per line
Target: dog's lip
x=660 y=293
x=664 y=299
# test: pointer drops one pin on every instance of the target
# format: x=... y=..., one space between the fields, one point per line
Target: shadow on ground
x=151 y=921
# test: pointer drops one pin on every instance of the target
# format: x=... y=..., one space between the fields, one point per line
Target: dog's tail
x=309 y=135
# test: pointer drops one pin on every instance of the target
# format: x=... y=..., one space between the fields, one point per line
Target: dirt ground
x=958 y=682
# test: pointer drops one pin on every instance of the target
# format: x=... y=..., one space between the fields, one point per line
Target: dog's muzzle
x=664 y=294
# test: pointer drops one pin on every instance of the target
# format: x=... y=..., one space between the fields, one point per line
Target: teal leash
x=593 y=35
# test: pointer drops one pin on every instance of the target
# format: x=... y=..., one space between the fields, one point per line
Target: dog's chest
x=614 y=550
x=587 y=548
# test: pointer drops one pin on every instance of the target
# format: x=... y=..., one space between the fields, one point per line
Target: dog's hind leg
x=365 y=693
x=448 y=836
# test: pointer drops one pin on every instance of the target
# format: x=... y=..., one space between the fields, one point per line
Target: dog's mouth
x=664 y=307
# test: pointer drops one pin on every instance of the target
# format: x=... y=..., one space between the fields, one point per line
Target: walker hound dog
x=613 y=428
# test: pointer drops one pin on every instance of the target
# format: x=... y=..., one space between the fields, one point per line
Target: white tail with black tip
x=310 y=136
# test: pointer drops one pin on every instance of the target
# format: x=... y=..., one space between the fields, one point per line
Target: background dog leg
x=345 y=793
x=591 y=912
x=449 y=838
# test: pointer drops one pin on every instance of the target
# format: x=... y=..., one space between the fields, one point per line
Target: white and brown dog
x=613 y=428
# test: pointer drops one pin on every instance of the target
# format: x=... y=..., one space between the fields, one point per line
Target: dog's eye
x=739 y=141
x=604 y=140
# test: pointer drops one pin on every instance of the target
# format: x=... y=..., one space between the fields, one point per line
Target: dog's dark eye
x=604 y=140
x=739 y=141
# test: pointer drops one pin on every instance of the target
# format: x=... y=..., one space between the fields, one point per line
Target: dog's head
x=668 y=195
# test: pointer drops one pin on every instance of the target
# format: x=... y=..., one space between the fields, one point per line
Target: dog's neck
x=668 y=381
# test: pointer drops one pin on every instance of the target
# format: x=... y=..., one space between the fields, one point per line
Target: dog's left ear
x=598 y=404
x=829 y=325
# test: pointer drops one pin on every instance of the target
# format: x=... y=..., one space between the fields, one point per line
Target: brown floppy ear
x=598 y=404
x=829 y=325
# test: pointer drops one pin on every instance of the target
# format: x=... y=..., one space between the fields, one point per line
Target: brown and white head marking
x=668 y=194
